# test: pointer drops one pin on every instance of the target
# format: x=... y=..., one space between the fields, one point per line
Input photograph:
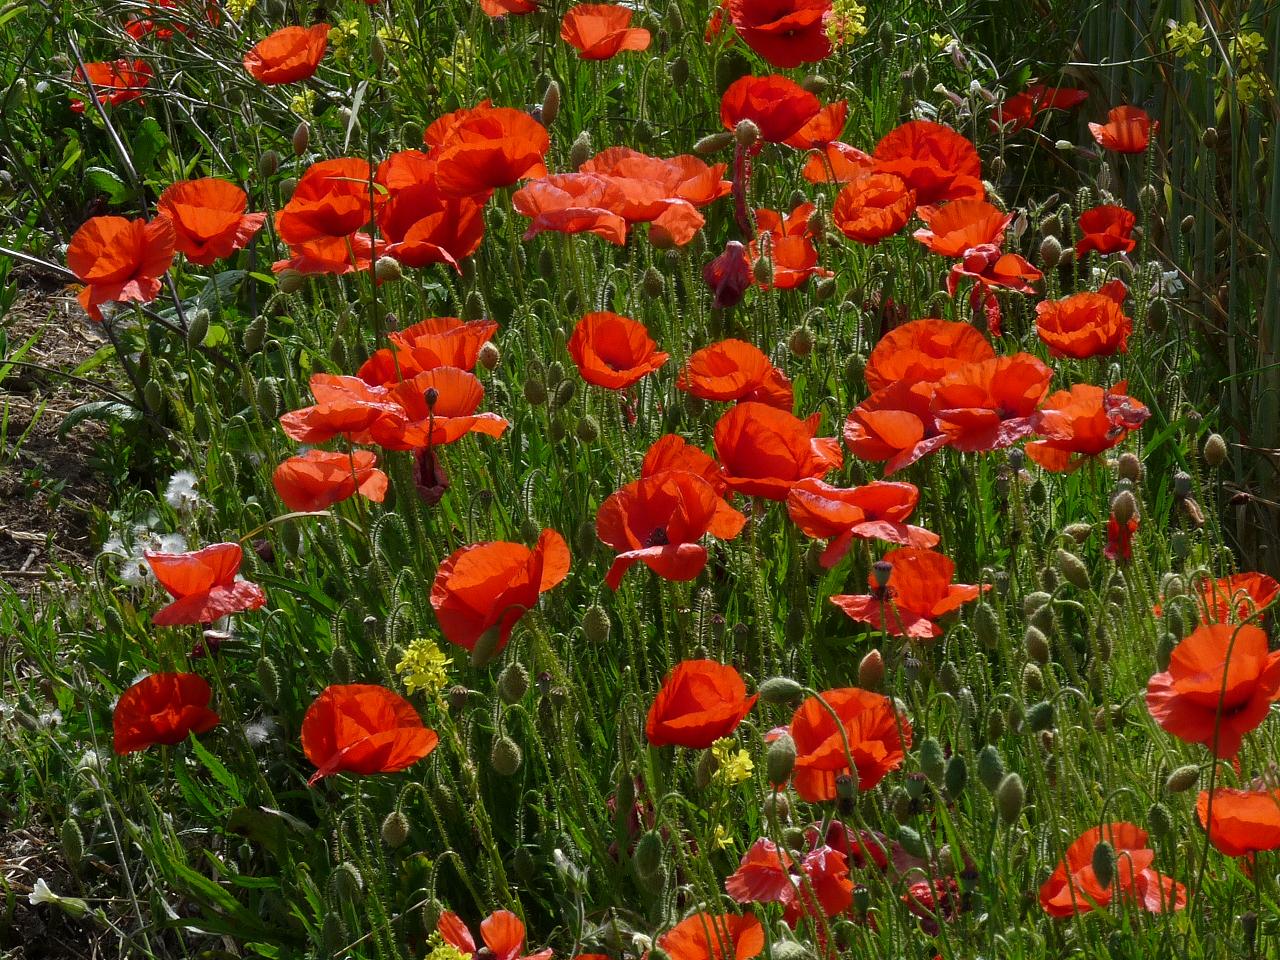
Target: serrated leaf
x=97 y=410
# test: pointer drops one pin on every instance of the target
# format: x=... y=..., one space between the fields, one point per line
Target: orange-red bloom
x=918 y=593
x=573 y=203
x=988 y=405
x=421 y=224
x=1220 y=685
x=764 y=875
x=501 y=8
x=934 y=161
x=502 y=932
x=363 y=728
x=1237 y=597
x=1022 y=109
x=332 y=200
x=489 y=586
x=837 y=162
x=714 y=936
x=870 y=728
x=1106 y=229
x=955 y=227
x=894 y=425
x=345 y=406
x=613 y=351
x=482 y=148
x=164 y=708
x=599 y=31
x=119 y=260
x=764 y=450
x=434 y=342
x=822 y=128
x=203 y=584
x=288 y=55
x=990 y=267
x=1083 y=422
x=1127 y=130
x=700 y=702
x=683 y=177
x=924 y=351
x=791 y=251
x=353 y=253
x=786 y=33
x=209 y=218
x=1083 y=325
x=115 y=82
x=777 y=106
x=734 y=370
x=319 y=479
x=673 y=452
x=1241 y=822
x=438 y=406
x=873 y=207
x=876 y=511
x=1074 y=888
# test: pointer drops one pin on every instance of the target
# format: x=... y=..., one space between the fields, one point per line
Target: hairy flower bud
x=1182 y=779
x=780 y=760
x=1215 y=450
x=505 y=757
x=1010 y=797
x=871 y=671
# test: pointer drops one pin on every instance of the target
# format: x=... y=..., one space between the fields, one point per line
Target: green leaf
x=219 y=289
x=355 y=112
x=148 y=141
x=218 y=769
x=98 y=410
x=108 y=182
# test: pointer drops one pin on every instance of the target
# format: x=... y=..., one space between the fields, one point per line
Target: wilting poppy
x=573 y=203
x=502 y=933
x=1120 y=538
x=319 y=479
x=439 y=407
x=765 y=875
x=728 y=276
x=164 y=708
x=1237 y=597
x=673 y=452
x=599 y=31
x=918 y=593
x=924 y=351
x=345 y=406
x=1022 y=109
x=1127 y=130
x=837 y=162
x=934 y=161
x=1241 y=822
x=115 y=82
x=659 y=520
x=822 y=128
x=363 y=728
x=482 y=148
x=988 y=405
x=894 y=425
x=876 y=511
x=733 y=370
x=288 y=55
x=209 y=218
x=792 y=255
x=873 y=207
x=714 y=936
x=613 y=351
x=501 y=8
x=1220 y=685
x=203 y=584
x=786 y=33
x=867 y=723
x=1083 y=325
x=434 y=342
x=1106 y=229
x=332 y=200
x=700 y=702
x=119 y=260
x=764 y=450
x=1083 y=422
x=489 y=586
x=1074 y=888
x=777 y=106
x=953 y=228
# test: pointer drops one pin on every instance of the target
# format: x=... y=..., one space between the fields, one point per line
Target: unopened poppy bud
x=1182 y=484
x=1040 y=716
x=912 y=842
x=1032 y=678
x=346 y=883
x=652 y=283
x=871 y=671
x=888 y=37
x=791 y=950
x=1050 y=252
x=513 y=683
x=550 y=103
x=815 y=84
x=933 y=764
x=1079 y=532
x=705 y=769
x=1010 y=797
x=595 y=624
x=505 y=757
x=290 y=281
x=268 y=164
x=648 y=855
x=535 y=392
x=387 y=270
x=1124 y=507
x=1073 y=569
x=780 y=690
x=72 y=842
x=341 y=665
x=587 y=429
x=678 y=71
x=1129 y=467
x=1147 y=198
x=153 y=395
x=487 y=645
x=990 y=767
x=301 y=138
x=762 y=271
x=713 y=143
x=1159 y=820
x=780 y=760
x=268 y=680
x=1066 y=146
x=395 y=829
x=489 y=356
x=197 y=328
x=881 y=570
x=746 y=133
x=801 y=341
x=581 y=150
x=1182 y=779
x=1215 y=450
x=949 y=677
x=846 y=786
x=986 y=625
x=254 y=334
x=777 y=806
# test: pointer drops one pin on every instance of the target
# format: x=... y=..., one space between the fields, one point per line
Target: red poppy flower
x=485 y=147
x=599 y=31
x=673 y=452
x=1120 y=539
x=422 y=225
x=288 y=55
x=1220 y=685
x=161 y=19
x=869 y=726
x=934 y=161
x=1075 y=889
x=203 y=584
x=822 y=128
x=683 y=177
x=895 y=425
x=733 y=370
x=114 y=81
x=877 y=511
x=1241 y=822
x=765 y=451
x=1237 y=597
x=489 y=586
x=573 y=203
x=319 y=479
x=873 y=207
x=659 y=519
x=119 y=260
x=714 y=936
x=953 y=228
x=209 y=218
x=1022 y=109
x=786 y=33
x=700 y=702
x=919 y=592
x=439 y=407
x=990 y=267
x=777 y=106
x=765 y=875
x=728 y=276
x=345 y=406
x=1106 y=229
x=164 y=708
x=1083 y=422
x=502 y=8
x=613 y=351
x=1127 y=130
x=502 y=933
x=791 y=251
x=363 y=728
x=837 y=162
x=989 y=405
x=434 y=342
x=924 y=351
x=332 y=200
x=332 y=255
x=1083 y=325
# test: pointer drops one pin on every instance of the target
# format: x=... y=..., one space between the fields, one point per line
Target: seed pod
x=780 y=690
x=932 y=762
x=871 y=671
x=791 y=950
x=990 y=767
x=1033 y=602
x=395 y=829
x=1104 y=863
x=1010 y=796
x=1182 y=779
x=777 y=805
x=513 y=683
x=649 y=854
x=780 y=760
x=1124 y=507
x=387 y=270
x=1040 y=716
x=267 y=399
x=955 y=776
x=505 y=757
x=847 y=786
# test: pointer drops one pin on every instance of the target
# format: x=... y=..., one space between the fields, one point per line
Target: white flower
x=181 y=492
x=41 y=893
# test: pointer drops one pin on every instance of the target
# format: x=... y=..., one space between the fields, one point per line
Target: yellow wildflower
x=424 y=667
x=847 y=22
x=722 y=838
x=303 y=102
x=733 y=765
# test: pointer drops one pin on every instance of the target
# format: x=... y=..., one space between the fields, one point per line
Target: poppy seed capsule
x=1215 y=450
x=1010 y=797
x=1182 y=779
x=587 y=429
x=746 y=133
x=505 y=757
x=871 y=671
x=780 y=690
x=846 y=786
x=780 y=760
